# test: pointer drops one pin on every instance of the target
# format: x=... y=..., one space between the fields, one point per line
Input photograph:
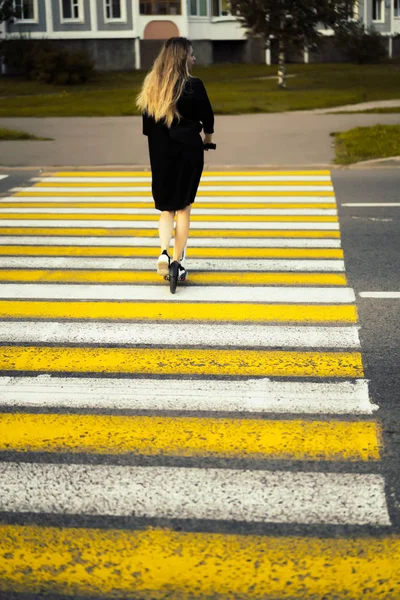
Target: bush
x=41 y=60
x=361 y=45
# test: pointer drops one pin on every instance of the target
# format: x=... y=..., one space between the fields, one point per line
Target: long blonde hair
x=164 y=84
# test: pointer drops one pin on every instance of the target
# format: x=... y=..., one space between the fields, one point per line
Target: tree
x=7 y=10
x=293 y=23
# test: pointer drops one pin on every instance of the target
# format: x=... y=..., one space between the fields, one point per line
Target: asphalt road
x=371 y=242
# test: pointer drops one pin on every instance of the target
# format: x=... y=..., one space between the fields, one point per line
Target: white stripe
x=205 y=177
x=208 y=188
x=189 y=294
x=189 y=493
x=3 y=176
x=247 y=395
x=149 y=264
x=367 y=204
x=152 y=211
x=205 y=199
x=261 y=225
x=388 y=295
x=217 y=242
x=187 y=334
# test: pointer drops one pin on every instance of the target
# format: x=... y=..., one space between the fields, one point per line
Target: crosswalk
x=216 y=443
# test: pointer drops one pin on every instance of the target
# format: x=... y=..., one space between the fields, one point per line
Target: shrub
x=62 y=66
x=41 y=60
x=361 y=45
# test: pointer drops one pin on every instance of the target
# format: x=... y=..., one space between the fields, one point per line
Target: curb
x=390 y=161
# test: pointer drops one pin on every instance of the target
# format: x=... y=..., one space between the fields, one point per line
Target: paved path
x=258 y=140
x=219 y=442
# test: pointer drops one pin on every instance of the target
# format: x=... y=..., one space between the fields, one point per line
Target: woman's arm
x=204 y=111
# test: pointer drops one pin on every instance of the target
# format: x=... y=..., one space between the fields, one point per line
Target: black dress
x=176 y=153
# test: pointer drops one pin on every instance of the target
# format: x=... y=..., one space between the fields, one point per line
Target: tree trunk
x=281 y=67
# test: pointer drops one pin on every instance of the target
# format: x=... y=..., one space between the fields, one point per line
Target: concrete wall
x=203 y=50
x=396 y=47
x=246 y=51
x=148 y=52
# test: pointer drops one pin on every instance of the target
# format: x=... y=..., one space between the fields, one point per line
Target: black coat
x=176 y=153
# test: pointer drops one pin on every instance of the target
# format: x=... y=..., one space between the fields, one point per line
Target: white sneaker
x=163 y=264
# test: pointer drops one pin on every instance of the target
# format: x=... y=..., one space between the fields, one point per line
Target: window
x=160 y=7
x=113 y=10
x=71 y=10
x=26 y=10
x=396 y=12
x=377 y=10
x=221 y=8
x=198 y=8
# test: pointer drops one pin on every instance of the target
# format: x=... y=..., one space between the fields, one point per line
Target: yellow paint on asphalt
x=188 y=311
x=138 y=217
x=153 y=233
x=200 y=193
x=144 y=173
x=188 y=436
x=149 y=277
x=160 y=563
x=136 y=251
x=208 y=205
x=203 y=183
x=176 y=361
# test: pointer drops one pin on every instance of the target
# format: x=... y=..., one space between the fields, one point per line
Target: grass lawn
x=15 y=135
x=233 y=89
x=366 y=143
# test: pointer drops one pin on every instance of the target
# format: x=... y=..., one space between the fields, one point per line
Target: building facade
x=127 y=34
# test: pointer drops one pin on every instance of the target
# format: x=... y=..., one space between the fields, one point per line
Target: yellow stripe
x=160 y=563
x=163 y=311
x=147 y=277
x=153 y=233
x=155 y=217
x=211 y=205
x=251 y=193
x=189 y=437
x=175 y=361
x=203 y=183
x=134 y=251
x=145 y=173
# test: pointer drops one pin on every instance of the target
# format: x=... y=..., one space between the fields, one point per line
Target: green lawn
x=15 y=135
x=366 y=143
x=233 y=89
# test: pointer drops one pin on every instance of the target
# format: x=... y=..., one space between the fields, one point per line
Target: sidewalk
x=277 y=139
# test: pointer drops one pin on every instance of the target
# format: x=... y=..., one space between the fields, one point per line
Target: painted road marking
x=137 y=218
x=186 y=335
x=141 y=192
x=368 y=204
x=190 y=437
x=75 y=211
x=136 y=252
x=198 y=234
x=208 y=203
x=206 y=177
x=188 y=493
x=205 y=188
x=148 y=264
x=296 y=223
x=247 y=395
x=118 y=276
x=192 y=294
x=388 y=295
x=22 y=240
x=188 y=311
x=154 y=560
x=230 y=174
x=167 y=361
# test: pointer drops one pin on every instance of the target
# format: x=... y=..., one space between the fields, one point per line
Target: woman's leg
x=165 y=228
x=181 y=231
